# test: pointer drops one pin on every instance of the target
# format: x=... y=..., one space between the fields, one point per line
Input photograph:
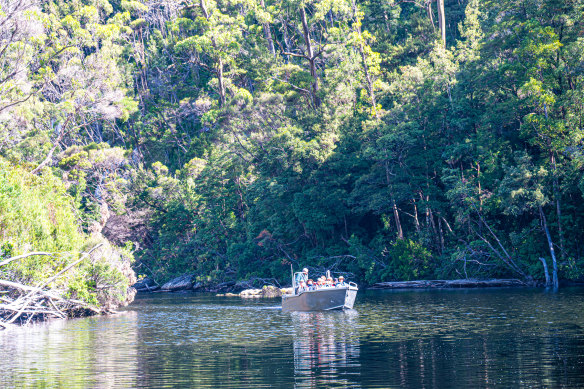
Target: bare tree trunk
x=221 y=81
x=204 y=9
x=268 y=33
x=442 y=21
x=311 y=57
x=400 y=233
x=441 y=234
x=558 y=208
x=417 y=221
x=551 y=246
x=55 y=145
x=546 y=272
x=430 y=15
x=368 y=77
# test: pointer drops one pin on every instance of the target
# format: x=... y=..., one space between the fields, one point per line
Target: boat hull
x=325 y=299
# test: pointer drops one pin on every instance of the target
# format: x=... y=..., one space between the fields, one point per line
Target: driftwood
x=22 y=304
x=467 y=283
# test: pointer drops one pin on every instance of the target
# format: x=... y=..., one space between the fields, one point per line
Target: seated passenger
x=302 y=287
x=310 y=285
x=329 y=282
x=341 y=282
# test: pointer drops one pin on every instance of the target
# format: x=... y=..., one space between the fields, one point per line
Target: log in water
x=466 y=283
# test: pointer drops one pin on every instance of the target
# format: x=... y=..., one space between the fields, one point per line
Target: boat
x=322 y=299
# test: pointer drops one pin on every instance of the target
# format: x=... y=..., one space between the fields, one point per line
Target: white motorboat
x=321 y=299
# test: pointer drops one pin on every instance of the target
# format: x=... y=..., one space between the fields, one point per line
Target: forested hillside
x=394 y=140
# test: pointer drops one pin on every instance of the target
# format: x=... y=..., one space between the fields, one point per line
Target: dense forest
x=389 y=140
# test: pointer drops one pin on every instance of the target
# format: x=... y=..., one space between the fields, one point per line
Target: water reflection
x=326 y=349
x=72 y=354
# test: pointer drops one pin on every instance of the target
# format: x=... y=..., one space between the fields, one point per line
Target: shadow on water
x=418 y=339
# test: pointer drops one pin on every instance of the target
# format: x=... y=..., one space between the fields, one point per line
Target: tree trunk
x=558 y=208
x=551 y=246
x=368 y=77
x=62 y=133
x=311 y=57
x=400 y=233
x=546 y=272
x=268 y=33
x=441 y=234
x=417 y=221
x=442 y=21
x=204 y=9
x=430 y=15
x=221 y=81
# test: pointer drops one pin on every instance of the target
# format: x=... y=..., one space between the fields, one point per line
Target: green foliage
x=37 y=214
x=379 y=151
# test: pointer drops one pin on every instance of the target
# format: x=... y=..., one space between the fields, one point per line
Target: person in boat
x=310 y=285
x=341 y=282
x=302 y=287
x=301 y=277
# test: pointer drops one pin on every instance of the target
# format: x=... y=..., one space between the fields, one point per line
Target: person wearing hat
x=302 y=277
x=341 y=282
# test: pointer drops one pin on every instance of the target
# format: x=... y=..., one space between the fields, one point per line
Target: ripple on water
x=511 y=338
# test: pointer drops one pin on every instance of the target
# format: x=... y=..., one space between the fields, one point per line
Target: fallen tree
x=465 y=283
x=21 y=304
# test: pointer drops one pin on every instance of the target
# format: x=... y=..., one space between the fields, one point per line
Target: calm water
x=419 y=339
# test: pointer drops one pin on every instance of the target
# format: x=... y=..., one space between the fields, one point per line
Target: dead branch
x=7 y=261
x=35 y=302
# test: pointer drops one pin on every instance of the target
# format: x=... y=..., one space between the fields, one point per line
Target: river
x=417 y=339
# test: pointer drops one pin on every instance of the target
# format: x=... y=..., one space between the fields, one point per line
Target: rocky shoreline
x=246 y=289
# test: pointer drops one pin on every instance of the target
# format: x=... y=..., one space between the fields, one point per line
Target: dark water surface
x=419 y=339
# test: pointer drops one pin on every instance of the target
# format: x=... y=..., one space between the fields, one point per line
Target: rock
x=146 y=285
x=230 y=295
x=251 y=293
x=270 y=291
x=183 y=282
x=287 y=290
x=197 y=285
